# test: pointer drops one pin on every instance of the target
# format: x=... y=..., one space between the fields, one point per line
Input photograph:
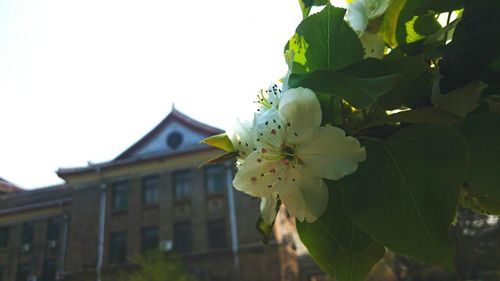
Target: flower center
x=288 y=153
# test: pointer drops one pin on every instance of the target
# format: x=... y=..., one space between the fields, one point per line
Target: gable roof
x=153 y=145
x=173 y=116
x=8 y=187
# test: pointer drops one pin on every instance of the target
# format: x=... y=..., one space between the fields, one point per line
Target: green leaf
x=339 y=248
x=475 y=44
x=404 y=195
x=406 y=32
x=305 y=5
x=426 y=25
x=359 y=92
x=482 y=133
x=324 y=41
x=264 y=229
x=413 y=85
x=390 y=21
x=417 y=116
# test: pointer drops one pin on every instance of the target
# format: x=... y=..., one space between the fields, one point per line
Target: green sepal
x=220 y=141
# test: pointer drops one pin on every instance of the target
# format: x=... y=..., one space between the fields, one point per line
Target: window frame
x=26 y=266
x=155 y=188
x=4 y=243
x=52 y=233
x=29 y=225
x=210 y=171
x=53 y=274
x=120 y=188
x=147 y=246
x=186 y=176
x=112 y=258
x=187 y=233
x=220 y=226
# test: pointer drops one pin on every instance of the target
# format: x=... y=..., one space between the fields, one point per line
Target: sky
x=83 y=80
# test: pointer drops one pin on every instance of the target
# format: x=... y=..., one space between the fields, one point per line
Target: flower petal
x=373 y=45
x=306 y=197
x=330 y=154
x=268 y=208
x=375 y=8
x=357 y=16
x=242 y=138
x=300 y=112
x=258 y=176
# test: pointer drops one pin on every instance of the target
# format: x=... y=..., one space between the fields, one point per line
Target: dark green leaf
x=404 y=195
x=305 y=5
x=426 y=25
x=339 y=248
x=413 y=86
x=359 y=92
x=417 y=116
x=476 y=44
x=324 y=41
x=482 y=133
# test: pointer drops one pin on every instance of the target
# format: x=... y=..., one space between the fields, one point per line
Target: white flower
x=293 y=154
x=241 y=136
x=373 y=45
x=268 y=101
x=360 y=12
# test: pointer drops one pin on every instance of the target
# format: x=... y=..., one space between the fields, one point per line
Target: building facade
x=153 y=195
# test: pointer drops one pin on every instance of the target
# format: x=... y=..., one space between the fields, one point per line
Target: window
x=149 y=238
x=4 y=237
x=23 y=272
x=118 y=247
x=150 y=187
x=182 y=184
x=28 y=234
x=174 y=140
x=49 y=270
x=182 y=237
x=215 y=179
x=120 y=196
x=217 y=237
x=52 y=229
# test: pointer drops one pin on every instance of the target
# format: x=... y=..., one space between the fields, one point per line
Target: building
x=33 y=232
x=152 y=195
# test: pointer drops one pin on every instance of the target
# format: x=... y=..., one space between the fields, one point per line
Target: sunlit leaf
x=326 y=41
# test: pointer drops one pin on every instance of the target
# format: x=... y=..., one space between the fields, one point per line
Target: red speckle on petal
x=272 y=171
x=264 y=150
x=273 y=132
x=286 y=161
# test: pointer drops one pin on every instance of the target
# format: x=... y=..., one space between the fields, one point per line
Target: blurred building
x=153 y=195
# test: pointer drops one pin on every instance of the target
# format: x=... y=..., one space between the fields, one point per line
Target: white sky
x=83 y=80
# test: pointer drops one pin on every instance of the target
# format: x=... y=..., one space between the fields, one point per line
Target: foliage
x=156 y=266
x=427 y=111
